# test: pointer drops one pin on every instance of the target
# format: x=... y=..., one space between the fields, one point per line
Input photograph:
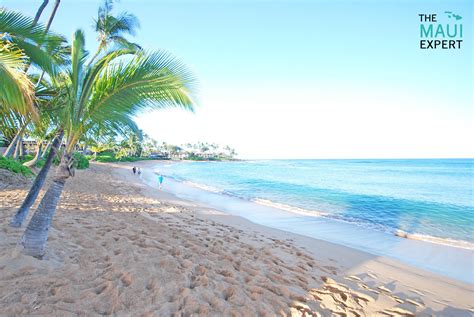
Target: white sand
x=120 y=247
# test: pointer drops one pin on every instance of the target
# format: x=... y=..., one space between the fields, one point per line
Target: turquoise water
x=430 y=199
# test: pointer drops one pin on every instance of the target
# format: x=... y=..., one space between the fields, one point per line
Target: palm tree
x=112 y=29
x=109 y=91
x=23 y=43
x=47 y=51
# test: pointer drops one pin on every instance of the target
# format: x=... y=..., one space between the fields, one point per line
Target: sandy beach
x=120 y=247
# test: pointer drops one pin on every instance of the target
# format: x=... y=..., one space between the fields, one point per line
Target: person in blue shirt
x=160 y=180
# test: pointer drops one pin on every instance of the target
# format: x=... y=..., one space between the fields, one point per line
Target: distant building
x=159 y=156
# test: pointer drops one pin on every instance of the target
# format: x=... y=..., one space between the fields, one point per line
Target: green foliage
x=111 y=29
x=26 y=158
x=14 y=166
x=40 y=163
x=195 y=158
x=22 y=43
x=107 y=157
x=80 y=161
x=110 y=91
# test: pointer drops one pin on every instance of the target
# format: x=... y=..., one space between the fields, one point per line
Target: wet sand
x=119 y=247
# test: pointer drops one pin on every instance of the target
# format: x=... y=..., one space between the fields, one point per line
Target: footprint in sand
x=353 y=278
x=397 y=299
x=384 y=289
x=411 y=301
x=372 y=275
x=416 y=292
x=397 y=311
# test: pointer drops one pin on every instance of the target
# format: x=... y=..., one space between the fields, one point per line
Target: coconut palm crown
x=113 y=29
x=109 y=92
x=24 y=43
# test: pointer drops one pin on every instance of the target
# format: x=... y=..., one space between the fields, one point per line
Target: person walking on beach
x=139 y=171
x=134 y=169
x=160 y=181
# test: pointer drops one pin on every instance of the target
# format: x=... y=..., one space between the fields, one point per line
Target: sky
x=304 y=79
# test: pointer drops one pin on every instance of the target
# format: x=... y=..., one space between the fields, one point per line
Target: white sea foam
x=204 y=187
x=444 y=241
x=293 y=209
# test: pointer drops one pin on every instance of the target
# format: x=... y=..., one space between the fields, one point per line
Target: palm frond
x=34 y=40
x=16 y=89
x=78 y=57
x=149 y=81
x=94 y=70
x=38 y=57
x=122 y=42
x=17 y=24
x=125 y=23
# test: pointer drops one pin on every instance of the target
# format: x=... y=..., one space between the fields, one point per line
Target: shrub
x=26 y=158
x=108 y=157
x=105 y=158
x=80 y=161
x=14 y=166
x=129 y=159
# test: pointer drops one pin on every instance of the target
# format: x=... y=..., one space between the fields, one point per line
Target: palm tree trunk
x=35 y=160
x=19 y=143
x=36 y=233
x=13 y=144
x=40 y=78
x=50 y=20
x=20 y=216
x=40 y=11
x=51 y=17
x=12 y=147
x=46 y=149
x=21 y=151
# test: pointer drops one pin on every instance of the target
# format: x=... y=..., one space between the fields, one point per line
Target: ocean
x=428 y=198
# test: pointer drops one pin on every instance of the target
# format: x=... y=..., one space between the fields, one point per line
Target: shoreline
x=450 y=242
x=121 y=247
x=454 y=243
x=438 y=258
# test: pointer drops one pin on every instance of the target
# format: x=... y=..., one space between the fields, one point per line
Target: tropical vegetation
x=139 y=146
x=67 y=99
x=14 y=166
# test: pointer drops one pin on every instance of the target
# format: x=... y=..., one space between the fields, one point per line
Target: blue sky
x=305 y=79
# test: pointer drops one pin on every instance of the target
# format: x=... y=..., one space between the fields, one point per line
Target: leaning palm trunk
x=40 y=11
x=53 y=13
x=13 y=145
x=36 y=233
x=35 y=160
x=19 y=144
x=38 y=183
x=21 y=150
x=46 y=149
